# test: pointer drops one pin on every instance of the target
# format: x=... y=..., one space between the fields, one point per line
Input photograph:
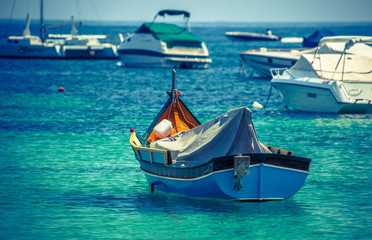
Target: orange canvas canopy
x=177 y=113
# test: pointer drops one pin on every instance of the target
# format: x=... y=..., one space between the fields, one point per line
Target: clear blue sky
x=201 y=10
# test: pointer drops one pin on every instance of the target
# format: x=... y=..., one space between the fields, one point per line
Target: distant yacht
x=28 y=46
x=164 y=45
x=250 y=36
x=83 y=46
x=56 y=45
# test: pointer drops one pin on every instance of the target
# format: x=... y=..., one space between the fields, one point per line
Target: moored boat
x=56 y=45
x=314 y=39
x=336 y=78
x=74 y=45
x=221 y=158
x=249 y=36
x=263 y=59
x=28 y=46
x=164 y=45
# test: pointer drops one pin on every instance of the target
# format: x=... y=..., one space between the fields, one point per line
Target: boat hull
x=268 y=179
x=262 y=63
x=247 y=36
x=29 y=51
x=325 y=97
x=86 y=52
x=145 y=58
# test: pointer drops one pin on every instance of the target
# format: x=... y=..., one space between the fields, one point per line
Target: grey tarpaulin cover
x=229 y=134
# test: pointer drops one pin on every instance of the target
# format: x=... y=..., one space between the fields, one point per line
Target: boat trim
x=134 y=141
x=156 y=54
x=265 y=57
x=289 y=162
x=258 y=199
x=219 y=171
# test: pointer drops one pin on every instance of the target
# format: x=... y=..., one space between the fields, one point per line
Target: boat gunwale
x=136 y=145
x=216 y=165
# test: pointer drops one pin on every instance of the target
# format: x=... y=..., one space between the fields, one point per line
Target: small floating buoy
x=119 y=64
x=61 y=89
x=257 y=105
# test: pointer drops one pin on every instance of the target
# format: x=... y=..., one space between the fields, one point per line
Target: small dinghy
x=221 y=158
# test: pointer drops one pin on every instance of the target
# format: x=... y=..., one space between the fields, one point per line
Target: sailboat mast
x=42 y=28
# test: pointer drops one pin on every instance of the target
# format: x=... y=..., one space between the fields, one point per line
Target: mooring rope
x=268 y=97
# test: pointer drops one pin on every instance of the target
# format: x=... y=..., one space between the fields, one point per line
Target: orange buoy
x=61 y=89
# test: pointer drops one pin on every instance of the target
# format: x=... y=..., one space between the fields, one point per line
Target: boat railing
x=277 y=72
x=362 y=100
x=147 y=154
x=281 y=50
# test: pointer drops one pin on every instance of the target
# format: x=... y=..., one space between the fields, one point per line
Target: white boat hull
x=262 y=64
x=263 y=59
x=140 y=60
x=324 y=96
x=88 y=52
x=248 y=36
x=29 y=51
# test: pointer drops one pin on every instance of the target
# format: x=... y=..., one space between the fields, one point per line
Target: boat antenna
x=173 y=79
x=26 y=31
x=343 y=54
x=74 y=31
x=187 y=18
x=174 y=92
x=153 y=20
x=348 y=45
x=10 y=18
x=42 y=27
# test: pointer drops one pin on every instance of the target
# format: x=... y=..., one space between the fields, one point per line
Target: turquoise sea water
x=67 y=170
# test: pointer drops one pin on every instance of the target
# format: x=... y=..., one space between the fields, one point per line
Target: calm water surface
x=67 y=170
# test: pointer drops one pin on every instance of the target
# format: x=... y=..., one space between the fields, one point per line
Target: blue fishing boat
x=221 y=158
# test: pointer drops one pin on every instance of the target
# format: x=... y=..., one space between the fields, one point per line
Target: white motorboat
x=167 y=45
x=336 y=78
x=249 y=36
x=263 y=59
x=28 y=46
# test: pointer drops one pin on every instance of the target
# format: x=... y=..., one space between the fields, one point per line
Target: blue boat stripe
x=154 y=53
x=222 y=170
x=224 y=163
x=141 y=52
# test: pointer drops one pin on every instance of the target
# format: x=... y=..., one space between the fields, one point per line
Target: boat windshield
x=171 y=34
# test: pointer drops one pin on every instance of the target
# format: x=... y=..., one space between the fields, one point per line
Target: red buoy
x=61 y=89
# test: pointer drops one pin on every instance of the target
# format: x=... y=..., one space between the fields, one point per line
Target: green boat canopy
x=171 y=34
